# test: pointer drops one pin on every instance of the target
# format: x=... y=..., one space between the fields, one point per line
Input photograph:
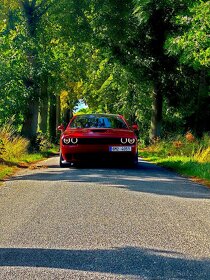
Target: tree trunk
x=52 y=118
x=156 y=119
x=202 y=92
x=33 y=13
x=67 y=115
x=58 y=112
x=43 y=114
x=29 y=128
x=30 y=124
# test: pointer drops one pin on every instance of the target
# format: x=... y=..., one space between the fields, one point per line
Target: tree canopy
x=148 y=60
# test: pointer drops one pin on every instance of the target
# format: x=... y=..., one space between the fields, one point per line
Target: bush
x=40 y=143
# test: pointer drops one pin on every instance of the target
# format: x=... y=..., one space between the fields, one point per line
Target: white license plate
x=120 y=149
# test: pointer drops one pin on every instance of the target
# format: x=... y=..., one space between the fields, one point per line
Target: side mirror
x=61 y=127
x=135 y=127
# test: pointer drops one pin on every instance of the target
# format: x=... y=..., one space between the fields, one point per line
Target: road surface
x=99 y=222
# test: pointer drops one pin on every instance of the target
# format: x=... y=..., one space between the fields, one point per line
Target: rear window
x=93 y=121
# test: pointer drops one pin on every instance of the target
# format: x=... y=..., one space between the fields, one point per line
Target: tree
x=136 y=33
x=191 y=46
x=13 y=69
x=24 y=26
x=34 y=43
x=116 y=51
x=32 y=12
x=191 y=42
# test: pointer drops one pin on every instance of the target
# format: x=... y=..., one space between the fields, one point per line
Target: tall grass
x=185 y=154
x=202 y=154
x=188 y=145
x=14 y=150
x=12 y=145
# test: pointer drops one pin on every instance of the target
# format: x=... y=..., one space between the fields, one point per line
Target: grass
x=8 y=168
x=14 y=152
x=5 y=171
x=186 y=155
x=33 y=157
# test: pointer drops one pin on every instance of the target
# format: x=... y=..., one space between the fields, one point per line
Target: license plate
x=120 y=149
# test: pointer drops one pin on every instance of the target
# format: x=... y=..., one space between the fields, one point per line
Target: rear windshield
x=93 y=121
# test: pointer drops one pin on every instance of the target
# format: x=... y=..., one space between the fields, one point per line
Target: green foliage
x=40 y=143
x=35 y=60
x=84 y=111
x=134 y=33
x=13 y=72
x=192 y=42
x=116 y=55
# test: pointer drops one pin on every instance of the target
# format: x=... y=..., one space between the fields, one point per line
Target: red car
x=93 y=137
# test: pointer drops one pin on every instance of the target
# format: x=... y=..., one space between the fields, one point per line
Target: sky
x=80 y=105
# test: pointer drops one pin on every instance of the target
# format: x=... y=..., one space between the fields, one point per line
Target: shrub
x=40 y=143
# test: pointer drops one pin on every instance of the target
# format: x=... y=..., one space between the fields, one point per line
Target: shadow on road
x=145 y=178
x=152 y=264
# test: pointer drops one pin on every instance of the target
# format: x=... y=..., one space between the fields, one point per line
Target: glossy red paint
x=94 y=137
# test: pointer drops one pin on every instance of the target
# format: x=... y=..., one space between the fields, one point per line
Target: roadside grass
x=14 y=152
x=8 y=168
x=5 y=171
x=186 y=155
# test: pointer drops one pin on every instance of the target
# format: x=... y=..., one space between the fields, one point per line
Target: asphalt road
x=103 y=223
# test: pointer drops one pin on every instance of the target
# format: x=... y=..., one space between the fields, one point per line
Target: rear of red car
x=98 y=137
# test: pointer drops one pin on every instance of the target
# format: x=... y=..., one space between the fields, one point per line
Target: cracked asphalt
x=101 y=222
